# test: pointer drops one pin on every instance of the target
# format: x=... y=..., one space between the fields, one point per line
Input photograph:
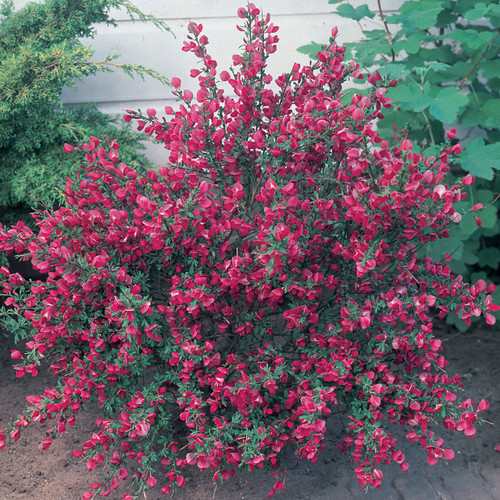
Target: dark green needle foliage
x=41 y=51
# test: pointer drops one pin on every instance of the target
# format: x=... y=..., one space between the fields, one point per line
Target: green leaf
x=489 y=216
x=480 y=159
x=471 y=119
x=459 y=69
x=438 y=66
x=480 y=10
x=470 y=252
x=454 y=244
x=310 y=49
x=490 y=232
x=403 y=93
x=494 y=16
x=490 y=69
x=411 y=44
x=485 y=196
x=412 y=121
x=422 y=102
x=467 y=225
x=370 y=49
x=409 y=96
x=393 y=69
x=432 y=52
x=423 y=13
x=358 y=13
x=432 y=150
x=447 y=104
x=473 y=162
x=491 y=110
x=470 y=37
x=489 y=256
x=448 y=16
x=494 y=84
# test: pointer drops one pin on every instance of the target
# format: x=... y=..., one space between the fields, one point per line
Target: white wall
x=300 y=22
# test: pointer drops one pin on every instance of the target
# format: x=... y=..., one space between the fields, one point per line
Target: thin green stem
x=429 y=126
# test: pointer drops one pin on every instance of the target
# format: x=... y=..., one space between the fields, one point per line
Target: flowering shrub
x=445 y=54
x=220 y=308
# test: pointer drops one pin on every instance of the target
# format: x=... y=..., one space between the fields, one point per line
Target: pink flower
x=142 y=428
x=452 y=133
x=468 y=180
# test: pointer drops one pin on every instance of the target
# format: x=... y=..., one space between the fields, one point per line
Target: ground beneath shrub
x=474 y=474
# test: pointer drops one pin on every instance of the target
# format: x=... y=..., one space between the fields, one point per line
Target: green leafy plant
x=446 y=58
x=218 y=309
x=41 y=52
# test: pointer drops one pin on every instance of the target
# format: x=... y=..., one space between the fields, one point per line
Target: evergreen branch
x=6 y=9
x=129 y=69
x=133 y=10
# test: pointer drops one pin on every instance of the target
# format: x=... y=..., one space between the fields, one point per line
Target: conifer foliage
x=41 y=51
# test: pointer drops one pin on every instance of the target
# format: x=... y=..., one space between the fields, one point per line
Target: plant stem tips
x=220 y=308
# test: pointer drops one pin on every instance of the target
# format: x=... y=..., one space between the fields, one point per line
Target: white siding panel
x=203 y=9
x=136 y=42
x=141 y=43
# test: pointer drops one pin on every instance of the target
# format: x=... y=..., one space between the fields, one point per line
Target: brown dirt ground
x=474 y=474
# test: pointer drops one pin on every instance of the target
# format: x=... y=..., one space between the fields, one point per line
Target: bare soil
x=474 y=474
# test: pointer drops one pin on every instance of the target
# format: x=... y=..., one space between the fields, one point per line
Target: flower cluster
x=219 y=308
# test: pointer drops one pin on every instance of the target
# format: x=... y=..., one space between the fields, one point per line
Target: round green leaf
x=358 y=13
x=447 y=104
